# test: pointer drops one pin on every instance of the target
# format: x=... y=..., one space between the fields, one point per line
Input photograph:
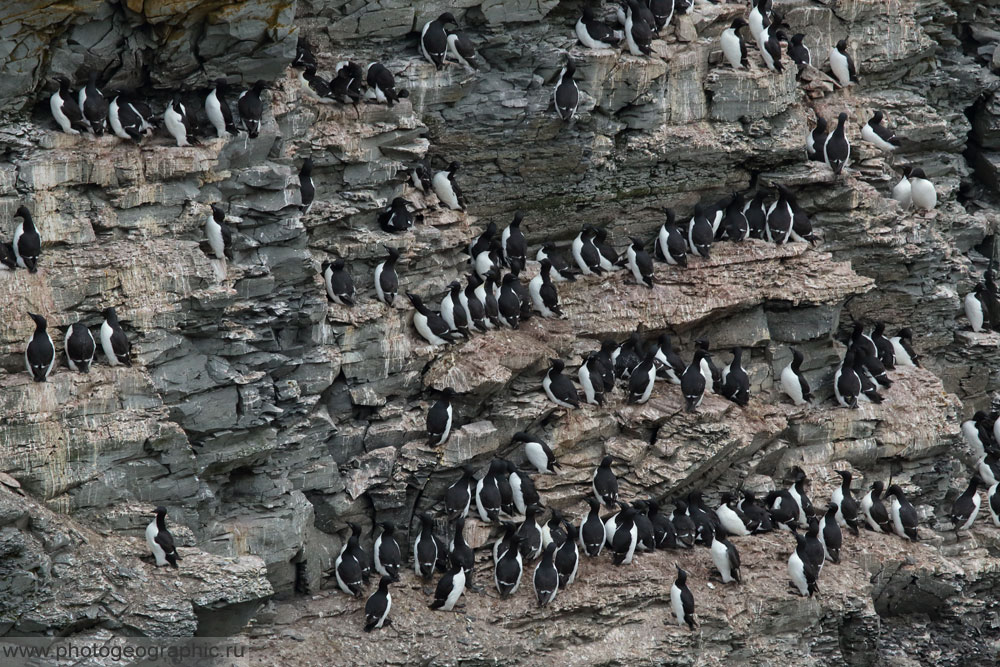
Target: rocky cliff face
x=265 y=419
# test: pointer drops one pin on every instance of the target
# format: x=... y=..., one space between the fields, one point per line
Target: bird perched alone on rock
x=446 y=188
x=219 y=234
x=842 y=65
x=558 y=387
x=160 y=541
x=386 y=280
x=439 y=419
x=114 y=342
x=378 y=605
x=681 y=600
x=566 y=95
x=27 y=242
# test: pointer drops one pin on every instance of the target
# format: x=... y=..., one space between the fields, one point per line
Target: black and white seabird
x=733 y=47
x=395 y=217
x=883 y=346
x=558 y=387
x=734 y=224
x=346 y=84
x=178 y=123
x=566 y=94
x=218 y=111
x=758 y=10
x=799 y=52
x=315 y=86
x=251 y=108
x=508 y=569
x=114 y=342
x=989 y=468
x=902 y=513
x=975 y=307
x=842 y=65
x=429 y=324
x=439 y=419
x=670 y=243
x=544 y=296
x=338 y=282
x=307 y=189
x=160 y=541
x=594 y=34
x=903 y=190
x=816 y=141
x=638 y=33
x=847 y=506
x=681 y=600
x=662 y=11
x=514 y=245
x=605 y=484
x=966 y=507
x=592 y=534
x=26 y=243
x=219 y=234
x=772 y=49
x=837 y=149
x=453 y=309
x=664 y=535
x=798 y=492
x=509 y=302
x=643 y=378
x=40 y=354
x=625 y=538
x=66 y=110
x=378 y=605
x=902 y=345
x=993 y=502
x=872 y=508
x=538 y=453
x=80 y=348
x=684 y=527
x=585 y=252
x=758 y=519
x=93 y=106
x=802 y=571
x=303 y=54
x=386 y=280
x=561 y=271
x=348 y=569
x=778 y=225
x=735 y=382
x=124 y=117
x=731 y=517
x=783 y=509
x=640 y=263
x=830 y=534
x=725 y=555
x=489 y=499
x=382 y=84
x=847 y=382
x=458 y=496
x=425 y=549
x=449 y=589
x=700 y=233
x=388 y=557
x=434 y=39
x=546 y=577
x=875 y=133
x=461 y=48
x=567 y=557
x=756 y=214
x=922 y=191
x=460 y=553
x=671 y=365
x=793 y=381
x=693 y=382
x=446 y=188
